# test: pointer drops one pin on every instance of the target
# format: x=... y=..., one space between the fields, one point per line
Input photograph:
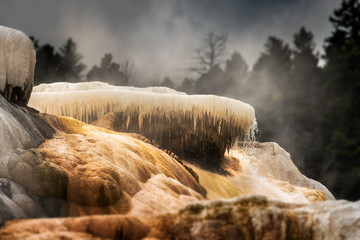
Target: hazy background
x=160 y=36
x=304 y=83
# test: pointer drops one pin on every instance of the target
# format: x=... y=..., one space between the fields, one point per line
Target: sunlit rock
x=22 y=131
x=83 y=86
x=250 y=217
x=88 y=170
x=109 y=172
x=255 y=217
x=201 y=127
x=272 y=161
x=264 y=168
x=25 y=177
x=134 y=186
x=17 y=64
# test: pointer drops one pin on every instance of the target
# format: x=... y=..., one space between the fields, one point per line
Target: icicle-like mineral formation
x=195 y=126
x=17 y=64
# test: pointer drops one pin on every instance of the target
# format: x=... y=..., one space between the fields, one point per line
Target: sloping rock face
x=63 y=167
x=119 y=185
x=261 y=170
x=199 y=127
x=16 y=202
x=57 y=166
x=272 y=161
x=112 y=172
x=21 y=132
x=264 y=168
x=248 y=217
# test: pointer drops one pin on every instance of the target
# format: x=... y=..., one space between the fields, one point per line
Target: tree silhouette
x=236 y=70
x=270 y=82
x=127 y=68
x=108 y=71
x=304 y=96
x=275 y=59
x=212 y=82
x=236 y=67
x=187 y=85
x=339 y=127
x=209 y=54
x=70 y=67
x=167 y=82
x=47 y=63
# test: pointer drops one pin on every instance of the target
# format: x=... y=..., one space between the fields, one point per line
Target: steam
x=160 y=37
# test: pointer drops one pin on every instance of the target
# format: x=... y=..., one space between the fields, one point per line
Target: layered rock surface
x=83 y=170
x=120 y=185
x=259 y=168
x=249 y=217
x=112 y=172
x=70 y=168
x=198 y=127
x=21 y=169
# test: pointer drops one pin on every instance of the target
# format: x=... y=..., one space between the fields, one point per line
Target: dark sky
x=160 y=36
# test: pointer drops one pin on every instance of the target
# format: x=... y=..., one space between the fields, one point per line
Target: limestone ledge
x=247 y=217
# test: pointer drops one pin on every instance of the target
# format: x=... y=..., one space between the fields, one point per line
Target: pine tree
x=188 y=86
x=270 y=81
x=305 y=67
x=305 y=95
x=340 y=128
x=276 y=58
x=108 y=71
x=212 y=82
x=167 y=82
x=70 y=67
x=236 y=68
x=236 y=72
x=47 y=63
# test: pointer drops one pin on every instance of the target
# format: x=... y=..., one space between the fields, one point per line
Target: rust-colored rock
x=249 y=217
x=107 y=121
x=111 y=172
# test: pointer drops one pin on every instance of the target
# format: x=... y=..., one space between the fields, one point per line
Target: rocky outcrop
x=17 y=64
x=86 y=170
x=270 y=160
x=16 y=202
x=119 y=185
x=110 y=172
x=199 y=127
x=255 y=217
x=21 y=128
x=21 y=169
x=259 y=168
x=263 y=168
x=248 y=217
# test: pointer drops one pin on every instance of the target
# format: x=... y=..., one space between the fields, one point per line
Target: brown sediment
x=200 y=127
x=250 y=217
x=112 y=172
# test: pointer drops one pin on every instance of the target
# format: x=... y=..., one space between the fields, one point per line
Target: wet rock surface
x=109 y=185
x=22 y=130
x=248 y=217
x=60 y=167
